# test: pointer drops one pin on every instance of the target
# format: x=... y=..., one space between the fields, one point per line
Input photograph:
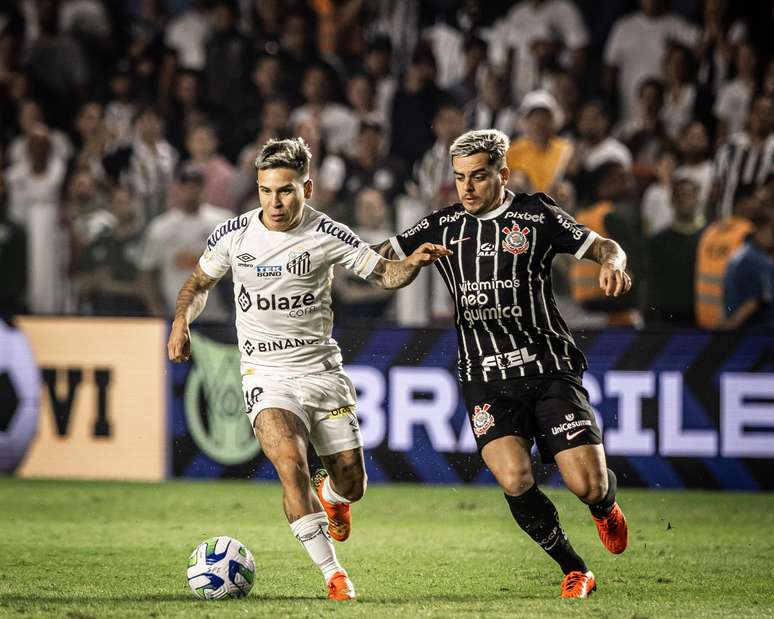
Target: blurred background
x=128 y=130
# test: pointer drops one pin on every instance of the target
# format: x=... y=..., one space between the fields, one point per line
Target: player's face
x=282 y=192
x=480 y=184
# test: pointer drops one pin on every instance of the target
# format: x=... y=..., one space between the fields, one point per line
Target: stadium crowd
x=128 y=132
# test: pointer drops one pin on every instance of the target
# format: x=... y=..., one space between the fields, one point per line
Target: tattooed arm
x=613 y=278
x=391 y=273
x=190 y=302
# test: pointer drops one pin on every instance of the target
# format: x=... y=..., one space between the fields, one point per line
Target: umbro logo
x=245 y=257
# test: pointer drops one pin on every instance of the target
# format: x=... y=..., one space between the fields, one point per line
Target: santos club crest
x=515 y=240
x=482 y=419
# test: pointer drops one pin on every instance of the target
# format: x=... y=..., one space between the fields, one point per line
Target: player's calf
x=336 y=506
x=609 y=519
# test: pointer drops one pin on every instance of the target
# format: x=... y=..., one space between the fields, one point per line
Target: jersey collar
x=509 y=195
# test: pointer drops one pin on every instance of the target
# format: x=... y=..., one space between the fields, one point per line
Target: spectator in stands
x=186 y=35
x=657 y=210
x=717 y=244
x=202 y=145
x=746 y=159
x=91 y=140
x=540 y=153
x=228 y=59
x=120 y=109
x=186 y=109
x=337 y=123
x=672 y=259
x=492 y=108
x=87 y=210
x=565 y=90
x=695 y=162
x=644 y=134
x=172 y=247
x=414 y=107
x=147 y=164
x=378 y=64
x=733 y=101
x=594 y=144
x=31 y=120
x=512 y=37
x=748 y=286
x=354 y=298
x=13 y=261
x=34 y=189
x=369 y=167
x=612 y=186
x=679 y=91
x=636 y=47
x=466 y=89
x=108 y=278
x=432 y=179
x=266 y=82
x=361 y=98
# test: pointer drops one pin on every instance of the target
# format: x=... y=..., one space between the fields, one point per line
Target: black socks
x=537 y=516
x=602 y=509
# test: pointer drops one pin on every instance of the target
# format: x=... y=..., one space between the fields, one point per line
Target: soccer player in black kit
x=519 y=368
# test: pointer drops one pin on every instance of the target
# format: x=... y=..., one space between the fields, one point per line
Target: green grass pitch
x=77 y=549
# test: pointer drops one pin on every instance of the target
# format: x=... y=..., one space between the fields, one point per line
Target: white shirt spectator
x=733 y=105
x=61 y=147
x=701 y=174
x=173 y=244
x=187 y=35
x=527 y=22
x=34 y=203
x=636 y=48
x=608 y=149
x=338 y=124
x=678 y=112
x=657 y=214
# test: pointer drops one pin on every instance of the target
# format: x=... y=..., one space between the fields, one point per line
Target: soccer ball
x=221 y=567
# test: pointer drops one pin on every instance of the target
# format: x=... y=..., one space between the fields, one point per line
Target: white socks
x=312 y=531
x=329 y=494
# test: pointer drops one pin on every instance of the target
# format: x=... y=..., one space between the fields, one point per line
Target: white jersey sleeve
x=347 y=249
x=216 y=259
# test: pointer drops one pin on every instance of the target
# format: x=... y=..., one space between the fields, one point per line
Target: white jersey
x=282 y=288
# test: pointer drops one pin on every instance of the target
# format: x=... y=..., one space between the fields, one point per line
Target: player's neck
x=495 y=204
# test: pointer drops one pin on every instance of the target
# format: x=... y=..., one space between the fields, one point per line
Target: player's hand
x=614 y=280
x=427 y=253
x=179 y=344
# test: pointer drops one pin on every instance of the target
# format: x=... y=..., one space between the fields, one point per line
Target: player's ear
x=505 y=174
x=307 y=188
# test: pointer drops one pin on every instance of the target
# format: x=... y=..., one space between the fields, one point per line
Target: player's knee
x=353 y=485
x=590 y=490
x=517 y=482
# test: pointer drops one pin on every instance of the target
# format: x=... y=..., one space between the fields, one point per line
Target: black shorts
x=551 y=411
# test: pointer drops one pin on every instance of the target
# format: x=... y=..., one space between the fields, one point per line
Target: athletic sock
x=603 y=508
x=312 y=531
x=330 y=495
x=536 y=515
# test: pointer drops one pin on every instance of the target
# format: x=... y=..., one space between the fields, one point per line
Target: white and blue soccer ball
x=221 y=567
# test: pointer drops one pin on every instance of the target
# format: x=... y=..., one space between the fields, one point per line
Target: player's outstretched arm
x=391 y=274
x=613 y=278
x=190 y=302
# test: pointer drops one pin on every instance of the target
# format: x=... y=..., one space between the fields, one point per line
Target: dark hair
x=291 y=153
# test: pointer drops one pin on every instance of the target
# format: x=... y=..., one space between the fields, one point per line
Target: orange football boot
x=339 y=515
x=578 y=585
x=613 y=530
x=340 y=588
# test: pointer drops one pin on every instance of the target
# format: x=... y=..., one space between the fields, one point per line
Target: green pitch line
x=78 y=549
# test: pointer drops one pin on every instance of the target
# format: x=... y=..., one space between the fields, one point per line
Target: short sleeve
x=567 y=235
x=424 y=231
x=151 y=257
x=345 y=248
x=613 y=48
x=216 y=259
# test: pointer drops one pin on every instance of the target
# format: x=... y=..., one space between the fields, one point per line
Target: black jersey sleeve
x=426 y=230
x=567 y=235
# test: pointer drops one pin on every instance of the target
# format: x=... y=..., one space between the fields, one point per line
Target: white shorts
x=325 y=403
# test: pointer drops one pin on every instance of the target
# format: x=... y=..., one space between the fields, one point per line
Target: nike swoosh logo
x=455 y=241
x=572 y=435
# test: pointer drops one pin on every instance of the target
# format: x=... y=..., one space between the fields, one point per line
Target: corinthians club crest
x=515 y=240
x=482 y=419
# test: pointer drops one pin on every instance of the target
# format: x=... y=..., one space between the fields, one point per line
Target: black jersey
x=507 y=321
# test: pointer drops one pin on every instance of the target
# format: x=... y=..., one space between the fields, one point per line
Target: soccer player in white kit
x=282 y=256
